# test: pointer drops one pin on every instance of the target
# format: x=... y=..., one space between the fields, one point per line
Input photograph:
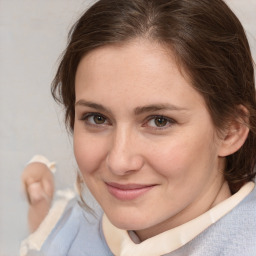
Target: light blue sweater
x=79 y=233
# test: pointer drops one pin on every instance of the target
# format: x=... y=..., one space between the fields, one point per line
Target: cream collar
x=121 y=244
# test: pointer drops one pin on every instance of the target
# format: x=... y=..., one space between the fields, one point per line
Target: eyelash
x=153 y=118
x=86 y=117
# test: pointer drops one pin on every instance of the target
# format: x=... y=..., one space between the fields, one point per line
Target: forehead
x=136 y=71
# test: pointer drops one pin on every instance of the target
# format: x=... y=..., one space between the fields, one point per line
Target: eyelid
x=85 y=117
x=171 y=122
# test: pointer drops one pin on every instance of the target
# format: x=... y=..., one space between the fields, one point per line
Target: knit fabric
x=79 y=233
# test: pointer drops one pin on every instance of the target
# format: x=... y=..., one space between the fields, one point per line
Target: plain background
x=32 y=36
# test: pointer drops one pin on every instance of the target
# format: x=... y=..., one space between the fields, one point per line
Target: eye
x=159 y=122
x=95 y=119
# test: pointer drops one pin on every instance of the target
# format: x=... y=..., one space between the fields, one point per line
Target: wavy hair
x=208 y=42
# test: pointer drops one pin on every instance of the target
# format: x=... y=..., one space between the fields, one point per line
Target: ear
x=236 y=133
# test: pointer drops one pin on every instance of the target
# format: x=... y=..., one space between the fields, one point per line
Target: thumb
x=36 y=193
x=48 y=187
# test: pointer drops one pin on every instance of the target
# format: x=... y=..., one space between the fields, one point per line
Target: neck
x=223 y=193
x=216 y=194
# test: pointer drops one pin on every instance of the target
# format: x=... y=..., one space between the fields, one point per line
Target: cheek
x=88 y=153
x=183 y=156
x=171 y=163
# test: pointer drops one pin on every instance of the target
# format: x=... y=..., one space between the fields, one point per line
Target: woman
x=160 y=98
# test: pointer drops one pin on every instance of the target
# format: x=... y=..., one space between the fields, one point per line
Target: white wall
x=33 y=34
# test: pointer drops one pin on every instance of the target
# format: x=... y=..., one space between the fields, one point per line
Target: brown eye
x=160 y=121
x=95 y=119
x=99 y=119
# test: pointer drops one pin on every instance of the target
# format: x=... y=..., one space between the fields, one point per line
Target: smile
x=127 y=191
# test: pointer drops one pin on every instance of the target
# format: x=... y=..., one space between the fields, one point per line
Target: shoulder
x=234 y=234
x=67 y=230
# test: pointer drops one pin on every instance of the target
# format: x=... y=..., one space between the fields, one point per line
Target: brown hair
x=206 y=38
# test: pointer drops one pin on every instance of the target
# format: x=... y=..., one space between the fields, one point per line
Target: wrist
x=42 y=159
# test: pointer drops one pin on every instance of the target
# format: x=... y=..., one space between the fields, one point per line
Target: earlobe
x=235 y=135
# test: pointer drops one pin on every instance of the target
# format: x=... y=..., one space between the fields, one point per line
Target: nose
x=124 y=156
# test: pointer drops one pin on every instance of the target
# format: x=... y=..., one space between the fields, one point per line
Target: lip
x=127 y=192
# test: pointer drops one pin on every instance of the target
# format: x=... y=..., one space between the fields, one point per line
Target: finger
x=36 y=193
x=48 y=186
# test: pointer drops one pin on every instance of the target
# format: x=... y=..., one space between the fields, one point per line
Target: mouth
x=127 y=192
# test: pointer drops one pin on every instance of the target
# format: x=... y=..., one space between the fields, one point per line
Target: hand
x=38 y=181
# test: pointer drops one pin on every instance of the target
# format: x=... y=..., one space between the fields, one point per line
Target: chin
x=129 y=222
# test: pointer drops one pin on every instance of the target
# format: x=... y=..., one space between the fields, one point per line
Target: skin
x=38 y=182
x=139 y=122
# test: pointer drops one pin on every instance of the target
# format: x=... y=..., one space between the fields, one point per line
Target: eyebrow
x=157 y=107
x=137 y=110
x=90 y=104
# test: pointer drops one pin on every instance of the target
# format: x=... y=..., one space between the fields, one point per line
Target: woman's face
x=143 y=138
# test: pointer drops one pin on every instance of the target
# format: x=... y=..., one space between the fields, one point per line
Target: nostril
x=124 y=164
x=122 y=157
